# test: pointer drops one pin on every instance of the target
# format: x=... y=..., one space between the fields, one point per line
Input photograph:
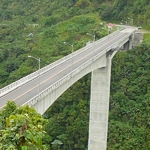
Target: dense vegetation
x=22 y=129
x=129 y=120
x=128 y=12
x=49 y=33
x=54 y=21
x=69 y=117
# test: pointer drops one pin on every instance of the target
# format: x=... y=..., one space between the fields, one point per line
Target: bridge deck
x=28 y=90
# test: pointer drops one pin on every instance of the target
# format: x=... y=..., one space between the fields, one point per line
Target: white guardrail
x=54 y=86
x=33 y=75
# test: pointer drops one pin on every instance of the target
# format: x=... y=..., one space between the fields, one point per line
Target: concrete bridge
x=41 y=88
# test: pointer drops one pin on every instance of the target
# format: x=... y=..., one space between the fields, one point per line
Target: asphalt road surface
x=27 y=91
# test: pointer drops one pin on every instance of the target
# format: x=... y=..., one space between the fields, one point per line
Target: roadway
x=27 y=91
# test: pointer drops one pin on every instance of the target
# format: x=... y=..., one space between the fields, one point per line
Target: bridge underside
x=53 y=94
x=100 y=91
x=99 y=63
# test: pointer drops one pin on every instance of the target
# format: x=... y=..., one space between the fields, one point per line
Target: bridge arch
x=96 y=59
x=51 y=94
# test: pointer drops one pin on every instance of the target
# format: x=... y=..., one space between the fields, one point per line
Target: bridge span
x=57 y=77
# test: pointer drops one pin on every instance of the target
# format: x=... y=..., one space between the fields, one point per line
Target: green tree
x=21 y=128
x=83 y=3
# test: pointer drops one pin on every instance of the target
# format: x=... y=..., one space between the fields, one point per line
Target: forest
x=65 y=125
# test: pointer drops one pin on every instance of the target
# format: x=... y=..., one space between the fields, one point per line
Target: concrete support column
x=126 y=46
x=99 y=107
x=131 y=38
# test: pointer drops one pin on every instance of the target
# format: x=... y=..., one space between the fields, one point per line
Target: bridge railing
x=35 y=74
x=35 y=99
x=54 y=86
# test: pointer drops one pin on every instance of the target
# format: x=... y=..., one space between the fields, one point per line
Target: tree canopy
x=21 y=128
x=52 y=22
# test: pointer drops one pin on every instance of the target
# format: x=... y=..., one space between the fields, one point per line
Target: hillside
x=54 y=21
x=51 y=23
x=130 y=99
x=47 y=44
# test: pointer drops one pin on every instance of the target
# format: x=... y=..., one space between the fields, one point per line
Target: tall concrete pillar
x=131 y=39
x=128 y=45
x=99 y=107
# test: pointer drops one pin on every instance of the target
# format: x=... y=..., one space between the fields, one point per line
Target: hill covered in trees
x=54 y=21
x=66 y=22
x=132 y=12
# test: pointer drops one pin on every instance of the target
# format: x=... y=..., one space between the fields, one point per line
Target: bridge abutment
x=99 y=106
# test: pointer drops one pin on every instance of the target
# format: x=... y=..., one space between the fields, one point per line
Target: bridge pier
x=129 y=44
x=99 y=106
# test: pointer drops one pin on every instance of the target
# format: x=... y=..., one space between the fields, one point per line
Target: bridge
x=42 y=88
